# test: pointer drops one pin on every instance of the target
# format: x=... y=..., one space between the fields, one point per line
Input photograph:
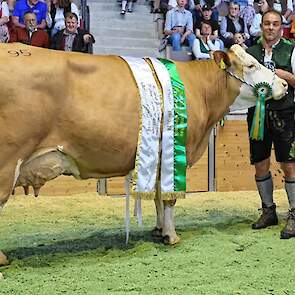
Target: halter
x=262 y=91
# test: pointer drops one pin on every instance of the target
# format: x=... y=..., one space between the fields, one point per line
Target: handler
x=279 y=129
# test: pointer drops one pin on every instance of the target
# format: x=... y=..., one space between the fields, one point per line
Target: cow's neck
x=209 y=91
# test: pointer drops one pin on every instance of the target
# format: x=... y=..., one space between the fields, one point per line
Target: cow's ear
x=222 y=59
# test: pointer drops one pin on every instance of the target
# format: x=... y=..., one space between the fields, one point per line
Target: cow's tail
x=127 y=206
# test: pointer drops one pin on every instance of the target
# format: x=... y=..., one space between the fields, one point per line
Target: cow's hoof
x=3 y=259
x=167 y=240
x=157 y=232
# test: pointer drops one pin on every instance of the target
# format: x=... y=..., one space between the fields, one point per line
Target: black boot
x=267 y=218
x=289 y=230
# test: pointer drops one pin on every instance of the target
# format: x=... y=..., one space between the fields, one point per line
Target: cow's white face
x=253 y=72
x=246 y=67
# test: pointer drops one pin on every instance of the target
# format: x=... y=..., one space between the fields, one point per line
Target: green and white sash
x=173 y=161
x=173 y=152
x=147 y=155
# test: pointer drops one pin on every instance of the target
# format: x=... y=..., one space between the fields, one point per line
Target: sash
x=173 y=160
x=147 y=155
x=173 y=151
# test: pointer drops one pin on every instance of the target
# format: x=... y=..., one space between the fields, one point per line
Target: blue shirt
x=177 y=17
x=22 y=6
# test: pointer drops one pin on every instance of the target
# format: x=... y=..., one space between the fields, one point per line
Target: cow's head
x=245 y=67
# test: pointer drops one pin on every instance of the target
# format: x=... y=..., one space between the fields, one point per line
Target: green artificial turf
x=76 y=245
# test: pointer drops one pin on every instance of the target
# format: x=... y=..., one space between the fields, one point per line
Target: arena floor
x=76 y=245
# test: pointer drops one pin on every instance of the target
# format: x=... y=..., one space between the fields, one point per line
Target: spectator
x=205 y=45
x=231 y=24
x=206 y=15
x=189 y=4
x=36 y=6
x=31 y=35
x=255 y=28
x=179 y=26
x=4 y=18
x=284 y=7
x=200 y=4
x=57 y=12
x=130 y=6
x=240 y=40
x=247 y=11
x=72 y=38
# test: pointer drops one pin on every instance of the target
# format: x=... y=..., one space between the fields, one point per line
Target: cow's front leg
x=169 y=233
x=160 y=214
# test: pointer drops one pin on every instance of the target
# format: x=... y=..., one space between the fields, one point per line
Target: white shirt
x=209 y=46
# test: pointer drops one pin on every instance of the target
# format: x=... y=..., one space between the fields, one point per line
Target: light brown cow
x=69 y=113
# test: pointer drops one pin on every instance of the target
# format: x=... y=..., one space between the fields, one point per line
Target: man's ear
x=222 y=59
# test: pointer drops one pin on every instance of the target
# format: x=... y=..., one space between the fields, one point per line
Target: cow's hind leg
x=3 y=258
x=169 y=233
x=7 y=182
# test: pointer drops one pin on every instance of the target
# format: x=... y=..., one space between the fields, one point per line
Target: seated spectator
x=130 y=6
x=255 y=29
x=284 y=7
x=72 y=38
x=206 y=15
x=36 y=6
x=231 y=24
x=247 y=10
x=179 y=26
x=200 y=4
x=4 y=19
x=31 y=35
x=240 y=40
x=57 y=12
x=205 y=45
x=189 y=4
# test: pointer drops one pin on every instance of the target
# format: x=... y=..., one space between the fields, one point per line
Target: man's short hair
x=235 y=3
x=71 y=15
x=273 y=12
x=206 y=22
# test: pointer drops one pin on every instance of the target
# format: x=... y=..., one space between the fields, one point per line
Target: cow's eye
x=252 y=67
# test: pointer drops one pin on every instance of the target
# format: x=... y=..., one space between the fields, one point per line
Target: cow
x=77 y=114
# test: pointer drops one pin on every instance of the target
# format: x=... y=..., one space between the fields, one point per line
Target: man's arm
x=15 y=20
x=42 y=25
x=289 y=77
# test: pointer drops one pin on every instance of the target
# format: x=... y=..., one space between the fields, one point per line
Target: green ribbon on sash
x=180 y=126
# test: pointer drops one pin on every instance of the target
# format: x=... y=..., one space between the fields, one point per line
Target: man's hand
x=87 y=38
x=179 y=30
x=182 y=39
x=198 y=7
x=289 y=77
